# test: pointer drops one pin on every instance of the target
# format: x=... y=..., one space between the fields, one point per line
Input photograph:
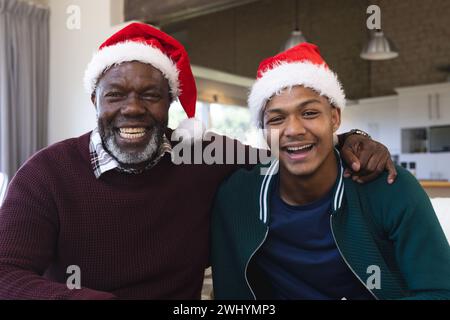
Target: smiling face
x=132 y=101
x=304 y=122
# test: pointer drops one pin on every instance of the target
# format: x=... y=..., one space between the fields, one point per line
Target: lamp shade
x=296 y=38
x=379 y=47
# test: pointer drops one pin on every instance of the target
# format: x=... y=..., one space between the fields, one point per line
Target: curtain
x=24 y=82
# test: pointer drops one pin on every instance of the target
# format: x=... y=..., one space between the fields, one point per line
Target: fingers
x=374 y=168
x=379 y=162
x=365 y=153
x=368 y=174
x=374 y=172
x=374 y=163
x=392 y=171
x=350 y=158
x=367 y=160
x=356 y=165
x=347 y=173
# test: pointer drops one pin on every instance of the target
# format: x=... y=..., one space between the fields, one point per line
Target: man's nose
x=294 y=127
x=133 y=106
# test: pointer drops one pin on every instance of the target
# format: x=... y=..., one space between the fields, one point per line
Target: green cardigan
x=392 y=227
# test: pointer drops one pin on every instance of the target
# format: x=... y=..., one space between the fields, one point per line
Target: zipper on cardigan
x=250 y=258
x=345 y=260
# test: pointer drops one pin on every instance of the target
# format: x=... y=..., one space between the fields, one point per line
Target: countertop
x=434 y=184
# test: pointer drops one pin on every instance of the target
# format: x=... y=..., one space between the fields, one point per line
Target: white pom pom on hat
x=189 y=130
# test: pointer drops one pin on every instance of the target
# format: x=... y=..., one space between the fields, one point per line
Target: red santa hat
x=143 y=43
x=300 y=65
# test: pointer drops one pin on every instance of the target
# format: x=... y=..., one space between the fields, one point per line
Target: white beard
x=145 y=155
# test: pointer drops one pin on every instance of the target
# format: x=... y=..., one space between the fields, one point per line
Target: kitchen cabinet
x=410 y=116
x=442 y=169
x=442 y=107
x=424 y=106
x=439 y=138
x=429 y=166
x=378 y=117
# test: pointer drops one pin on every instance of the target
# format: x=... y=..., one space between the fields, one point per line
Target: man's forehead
x=293 y=97
x=298 y=91
x=294 y=93
x=137 y=72
x=135 y=67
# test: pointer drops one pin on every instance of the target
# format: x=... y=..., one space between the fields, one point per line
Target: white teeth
x=132 y=133
x=132 y=130
x=299 y=148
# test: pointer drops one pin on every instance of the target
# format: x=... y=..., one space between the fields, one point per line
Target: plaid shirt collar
x=102 y=161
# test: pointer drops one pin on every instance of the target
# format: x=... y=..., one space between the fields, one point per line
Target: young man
x=302 y=231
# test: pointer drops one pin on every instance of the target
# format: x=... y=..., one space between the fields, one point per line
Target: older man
x=108 y=214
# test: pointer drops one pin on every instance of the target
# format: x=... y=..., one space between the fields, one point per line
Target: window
x=232 y=121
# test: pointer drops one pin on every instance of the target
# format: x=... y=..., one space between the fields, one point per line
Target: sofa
x=442 y=208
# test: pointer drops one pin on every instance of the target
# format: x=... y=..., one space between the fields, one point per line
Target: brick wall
x=236 y=40
x=421 y=31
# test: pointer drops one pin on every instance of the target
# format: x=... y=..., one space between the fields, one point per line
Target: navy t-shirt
x=300 y=257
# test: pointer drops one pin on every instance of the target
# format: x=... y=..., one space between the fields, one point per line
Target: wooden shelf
x=434 y=184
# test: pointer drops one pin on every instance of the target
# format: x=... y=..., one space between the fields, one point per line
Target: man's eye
x=275 y=120
x=151 y=95
x=114 y=94
x=310 y=114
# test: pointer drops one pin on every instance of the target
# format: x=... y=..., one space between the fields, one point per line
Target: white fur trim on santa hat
x=189 y=130
x=285 y=75
x=131 y=51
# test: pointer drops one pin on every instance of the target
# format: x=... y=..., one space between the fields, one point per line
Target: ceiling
x=162 y=13
x=220 y=87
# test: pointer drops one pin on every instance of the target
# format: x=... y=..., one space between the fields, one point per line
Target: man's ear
x=94 y=99
x=336 y=118
x=94 y=102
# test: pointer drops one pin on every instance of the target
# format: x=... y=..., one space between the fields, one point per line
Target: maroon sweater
x=142 y=236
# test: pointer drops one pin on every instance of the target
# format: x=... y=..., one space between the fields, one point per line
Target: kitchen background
x=404 y=102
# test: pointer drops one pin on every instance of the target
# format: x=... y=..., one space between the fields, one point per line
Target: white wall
x=70 y=111
x=379 y=117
